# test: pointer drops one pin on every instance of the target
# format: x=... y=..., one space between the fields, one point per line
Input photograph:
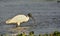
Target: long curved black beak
x=33 y=20
x=30 y=15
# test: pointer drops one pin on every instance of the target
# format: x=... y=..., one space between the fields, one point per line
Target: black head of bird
x=29 y=14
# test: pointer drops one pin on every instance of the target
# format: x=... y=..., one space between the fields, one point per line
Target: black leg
x=17 y=25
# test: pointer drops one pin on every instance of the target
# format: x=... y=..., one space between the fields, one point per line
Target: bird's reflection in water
x=19 y=29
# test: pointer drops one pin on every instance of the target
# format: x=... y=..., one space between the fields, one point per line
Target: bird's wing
x=19 y=18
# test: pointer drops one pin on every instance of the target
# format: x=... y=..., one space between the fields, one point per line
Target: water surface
x=46 y=14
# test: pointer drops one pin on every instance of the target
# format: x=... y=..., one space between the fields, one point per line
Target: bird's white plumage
x=18 y=19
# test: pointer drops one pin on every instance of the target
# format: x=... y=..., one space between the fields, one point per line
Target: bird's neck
x=27 y=17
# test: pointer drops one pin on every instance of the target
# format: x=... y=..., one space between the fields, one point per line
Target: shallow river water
x=46 y=14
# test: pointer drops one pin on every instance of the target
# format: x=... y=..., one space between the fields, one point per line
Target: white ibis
x=18 y=19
